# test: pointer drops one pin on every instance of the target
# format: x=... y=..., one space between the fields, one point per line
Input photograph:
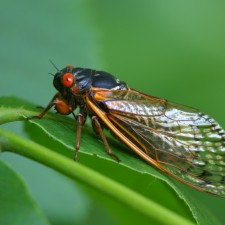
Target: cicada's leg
x=98 y=130
x=80 y=122
x=49 y=106
x=60 y=105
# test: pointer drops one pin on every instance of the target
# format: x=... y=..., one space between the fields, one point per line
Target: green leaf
x=17 y=205
x=57 y=126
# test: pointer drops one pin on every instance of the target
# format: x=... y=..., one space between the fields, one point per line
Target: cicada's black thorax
x=73 y=83
x=84 y=79
x=87 y=78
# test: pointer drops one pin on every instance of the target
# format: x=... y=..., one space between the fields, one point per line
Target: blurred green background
x=170 y=49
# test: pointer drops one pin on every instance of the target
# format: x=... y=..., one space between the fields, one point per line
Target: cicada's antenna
x=51 y=74
x=53 y=65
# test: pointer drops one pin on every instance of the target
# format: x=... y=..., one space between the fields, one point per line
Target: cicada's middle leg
x=80 y=118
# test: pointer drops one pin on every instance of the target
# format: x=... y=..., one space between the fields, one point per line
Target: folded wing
x=186 y=143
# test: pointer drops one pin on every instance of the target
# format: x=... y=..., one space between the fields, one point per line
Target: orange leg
x=98 y=130
x=49 y=106
x=61 y=107
x=80 y=122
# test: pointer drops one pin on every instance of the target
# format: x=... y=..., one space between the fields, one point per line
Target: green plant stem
x=14 y=143
x=10 y=115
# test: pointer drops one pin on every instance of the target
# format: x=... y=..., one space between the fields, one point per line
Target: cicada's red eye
x=67 y=79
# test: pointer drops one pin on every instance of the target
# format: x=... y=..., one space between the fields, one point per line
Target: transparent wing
x=186 y=143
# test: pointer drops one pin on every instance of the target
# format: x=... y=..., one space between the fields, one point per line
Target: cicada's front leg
x=61 y=107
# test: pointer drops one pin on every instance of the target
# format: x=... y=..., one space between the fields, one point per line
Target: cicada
x=178 y=140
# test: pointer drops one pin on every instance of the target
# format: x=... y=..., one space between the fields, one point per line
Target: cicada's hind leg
x=98 y=130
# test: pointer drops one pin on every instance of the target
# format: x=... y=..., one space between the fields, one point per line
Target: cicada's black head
x=71 y=80
x=64 y=79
